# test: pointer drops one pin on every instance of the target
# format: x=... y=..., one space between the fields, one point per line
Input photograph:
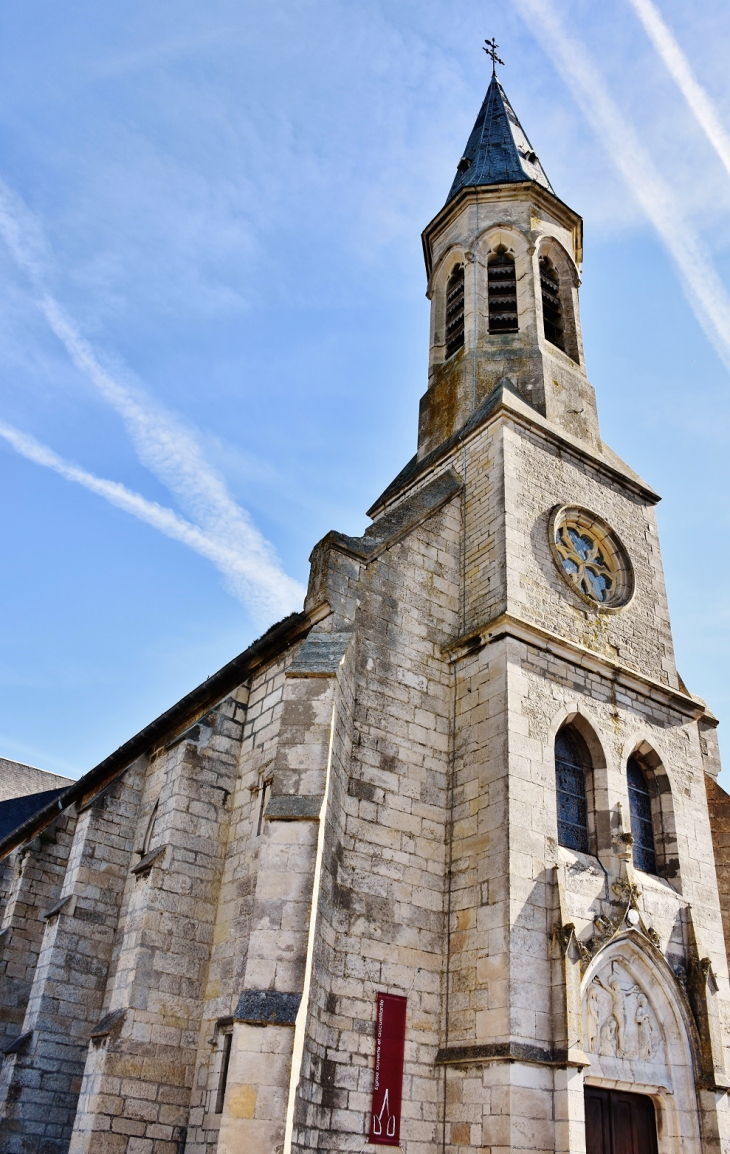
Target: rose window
x=591 y=558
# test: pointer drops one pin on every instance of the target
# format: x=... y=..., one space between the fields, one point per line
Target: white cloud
x=681 y=72
x=703 y=288
x=164 y=445
x=250 y=580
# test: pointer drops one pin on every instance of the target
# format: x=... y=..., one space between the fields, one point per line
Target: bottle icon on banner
x=390 y=1120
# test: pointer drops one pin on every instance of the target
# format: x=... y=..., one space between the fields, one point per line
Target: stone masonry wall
x=70 y=977
x=719 y=807
x=382 y=905
x=139 y=1073
x=235 y=905
x=538 y=477
x=39 y=874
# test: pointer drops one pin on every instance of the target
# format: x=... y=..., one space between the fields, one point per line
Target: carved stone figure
x=609 y=1038
x=593 y=1019
x=644 y=1027
x=618 y=1012
x=622 y=1027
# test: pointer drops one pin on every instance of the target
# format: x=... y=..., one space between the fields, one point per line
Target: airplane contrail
x=246 y=579
x=681 y=72
x=705 y=292
x=163 y=443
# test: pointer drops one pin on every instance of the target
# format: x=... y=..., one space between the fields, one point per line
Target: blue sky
x=212 y=307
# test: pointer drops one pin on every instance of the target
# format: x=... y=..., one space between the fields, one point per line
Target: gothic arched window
x=572 y=763
x=642 y=824
x=455 y=311
x=502 y=286
x=552 y=306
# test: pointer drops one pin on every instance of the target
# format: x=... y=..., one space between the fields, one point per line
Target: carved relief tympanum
x=619 y=1021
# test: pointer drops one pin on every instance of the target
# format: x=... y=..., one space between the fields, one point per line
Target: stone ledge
x=320 y=655
x=191 y=734
x=107 y=1024
x=54 y=910
x=509 y=625
x=509 y=1052
x=267 y=1008
x=18 y=1043
x=149 y=859
x=402 y=519
x=505 y=401
x=294 y=807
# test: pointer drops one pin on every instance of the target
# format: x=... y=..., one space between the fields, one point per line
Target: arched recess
x=454 y=259
x=662 y=810
x=558 y=285
x=501 y=239
x=599 y=830
x=639 y=1036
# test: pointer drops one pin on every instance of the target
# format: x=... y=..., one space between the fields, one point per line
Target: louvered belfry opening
x=502 y=285
x=455 y=311
x=552 y=309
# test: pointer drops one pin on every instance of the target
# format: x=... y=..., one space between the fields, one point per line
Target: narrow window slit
x=223 y=1077
x=262 y=807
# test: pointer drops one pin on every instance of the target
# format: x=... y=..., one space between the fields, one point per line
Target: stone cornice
x=523 y=414
x=523 y=191
x=504 y=400
x=510 y=625
x=480 y=1054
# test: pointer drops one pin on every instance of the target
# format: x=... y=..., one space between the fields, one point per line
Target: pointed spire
x=498 y=151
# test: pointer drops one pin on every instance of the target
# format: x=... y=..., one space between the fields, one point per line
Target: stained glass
x=583 y=561
x=570 y=783
x=642 y=825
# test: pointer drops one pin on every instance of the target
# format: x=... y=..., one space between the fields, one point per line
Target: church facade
x=466 y=776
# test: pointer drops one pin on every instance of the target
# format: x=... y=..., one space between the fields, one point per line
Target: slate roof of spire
x=498 y=151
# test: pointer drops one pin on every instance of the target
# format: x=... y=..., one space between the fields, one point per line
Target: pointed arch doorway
x=619 y=1123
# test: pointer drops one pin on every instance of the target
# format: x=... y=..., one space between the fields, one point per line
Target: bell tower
x=580 y=888
x=503 y=262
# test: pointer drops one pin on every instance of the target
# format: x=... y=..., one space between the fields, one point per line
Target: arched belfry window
x=455 y=311
x=642 y=824
x=572 y=765
x=502 y=285
x=552 y=307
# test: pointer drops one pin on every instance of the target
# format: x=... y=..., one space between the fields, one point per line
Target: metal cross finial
x=491 y=50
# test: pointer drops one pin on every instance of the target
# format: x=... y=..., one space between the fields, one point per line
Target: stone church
x=439 y=862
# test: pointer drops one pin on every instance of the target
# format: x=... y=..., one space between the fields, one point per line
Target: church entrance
x=619 y=1123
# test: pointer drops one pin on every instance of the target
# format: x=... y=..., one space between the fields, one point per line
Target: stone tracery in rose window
x=590 y=557
x=583 y=562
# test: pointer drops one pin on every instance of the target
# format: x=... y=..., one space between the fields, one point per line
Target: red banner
x=390 y=1042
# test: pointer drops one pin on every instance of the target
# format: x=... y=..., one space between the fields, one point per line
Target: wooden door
x=619 y=1123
